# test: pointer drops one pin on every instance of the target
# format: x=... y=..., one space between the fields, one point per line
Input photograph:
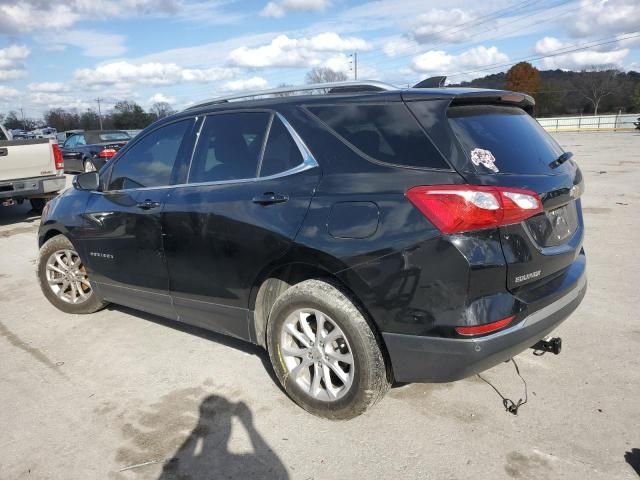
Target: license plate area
x=554 y=227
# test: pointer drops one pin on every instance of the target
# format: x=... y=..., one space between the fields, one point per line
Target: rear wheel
x=324 y=352
x=63 y=278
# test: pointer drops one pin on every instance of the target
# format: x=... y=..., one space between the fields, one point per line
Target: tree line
x=592 y=91
x=126 y=115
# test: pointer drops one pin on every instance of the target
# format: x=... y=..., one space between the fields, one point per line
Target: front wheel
x=63 y=278
x=324 y=352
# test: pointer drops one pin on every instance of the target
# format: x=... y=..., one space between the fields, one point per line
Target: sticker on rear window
x=484 y=158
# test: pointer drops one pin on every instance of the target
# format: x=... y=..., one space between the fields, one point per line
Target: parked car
x=29 y=170
x=364 y=236
x=89 y=150
x=61 y=137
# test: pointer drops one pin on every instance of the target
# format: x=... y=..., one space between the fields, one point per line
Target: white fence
x=588 y=123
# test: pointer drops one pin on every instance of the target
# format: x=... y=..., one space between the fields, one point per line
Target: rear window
x=107 y=137
x=502 y=139
x=388 y=133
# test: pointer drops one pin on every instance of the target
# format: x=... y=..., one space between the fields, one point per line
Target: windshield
x=501 y=139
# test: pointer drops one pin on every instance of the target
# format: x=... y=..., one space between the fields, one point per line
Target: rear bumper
x=436 y=359
x=32 y=187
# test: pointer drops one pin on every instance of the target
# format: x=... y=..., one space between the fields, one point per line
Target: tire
x=88 y=166
x=62 y=293
x=366 y=376
x=37 y=204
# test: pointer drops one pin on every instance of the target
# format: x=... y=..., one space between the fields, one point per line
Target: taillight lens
x=57 y=157
x=107 y=153
x=485 y=328
x=461 y=208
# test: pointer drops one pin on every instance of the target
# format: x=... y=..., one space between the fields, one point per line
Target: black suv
x=362 y=234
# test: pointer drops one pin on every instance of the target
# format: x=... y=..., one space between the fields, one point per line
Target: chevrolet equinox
x=362 y=234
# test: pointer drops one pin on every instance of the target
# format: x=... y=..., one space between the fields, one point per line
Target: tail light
x=57 y=157
x=461 y=208
x=485 y=328
x=107 y=153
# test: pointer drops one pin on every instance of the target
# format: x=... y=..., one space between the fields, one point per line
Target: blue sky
x=66 y=54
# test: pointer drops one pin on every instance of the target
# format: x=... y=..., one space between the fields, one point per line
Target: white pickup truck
x=29 y=169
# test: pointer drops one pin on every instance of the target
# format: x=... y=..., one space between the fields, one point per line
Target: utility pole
x=24 y=125
x=99 y=112
x=355 y=65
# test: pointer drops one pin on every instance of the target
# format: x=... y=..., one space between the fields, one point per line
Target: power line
x=557 y=52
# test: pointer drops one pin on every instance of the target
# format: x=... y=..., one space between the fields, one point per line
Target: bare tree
x=161 y=110
x=595 y=83
x=325 y=75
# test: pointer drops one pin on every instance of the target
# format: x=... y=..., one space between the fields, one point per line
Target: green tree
x=130 y=116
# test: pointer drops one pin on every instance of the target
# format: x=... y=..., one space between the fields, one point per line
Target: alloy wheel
x=317 y=354
x=67 y=277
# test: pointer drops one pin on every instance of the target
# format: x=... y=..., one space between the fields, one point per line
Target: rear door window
x=386 y=132
x=229 y=147
x=504 y=136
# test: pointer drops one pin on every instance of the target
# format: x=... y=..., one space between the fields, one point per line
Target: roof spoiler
x=431 y=82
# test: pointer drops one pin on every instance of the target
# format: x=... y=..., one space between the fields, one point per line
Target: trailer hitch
x=553 y=345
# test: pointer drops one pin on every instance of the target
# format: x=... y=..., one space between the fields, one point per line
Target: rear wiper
x=561 y=159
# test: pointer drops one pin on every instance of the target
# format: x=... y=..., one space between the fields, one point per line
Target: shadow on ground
x=632 y=457
x=18 y=214
x=205 y=453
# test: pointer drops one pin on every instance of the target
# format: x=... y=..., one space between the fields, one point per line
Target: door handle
x=4 y=152
x=269 y=198
x=148 y=205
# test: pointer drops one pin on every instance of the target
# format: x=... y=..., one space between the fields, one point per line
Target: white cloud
x=123 y=74
x=440 y=62
x=442 y=26
x=578 y=60
x=161 y=98
x=295 y=52
x=48 y=87
x=48 y=100
x=11 y=62
x=8 y=93
x=605 y=17
x=398 y=46
x=92 y=43
x=253 y=83
x=279 y=8
x=31 y=15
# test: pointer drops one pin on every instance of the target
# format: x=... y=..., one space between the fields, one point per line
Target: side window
x=80 y=140
x=149 y=162
x=229 y=147
x=281 y=153
x=71 y=141
x=388 y=133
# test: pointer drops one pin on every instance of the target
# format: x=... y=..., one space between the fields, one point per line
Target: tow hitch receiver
x=553 y=345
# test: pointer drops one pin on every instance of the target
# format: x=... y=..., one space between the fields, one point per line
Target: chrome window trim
x=308 y=162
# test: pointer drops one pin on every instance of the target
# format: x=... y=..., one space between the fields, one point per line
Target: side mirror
x=87 y=181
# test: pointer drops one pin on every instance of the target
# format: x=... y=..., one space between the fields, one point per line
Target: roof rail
x=332 y=87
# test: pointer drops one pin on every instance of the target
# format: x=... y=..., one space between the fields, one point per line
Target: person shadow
x=205 y=453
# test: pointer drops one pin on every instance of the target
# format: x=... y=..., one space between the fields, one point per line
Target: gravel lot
x=85 y=397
